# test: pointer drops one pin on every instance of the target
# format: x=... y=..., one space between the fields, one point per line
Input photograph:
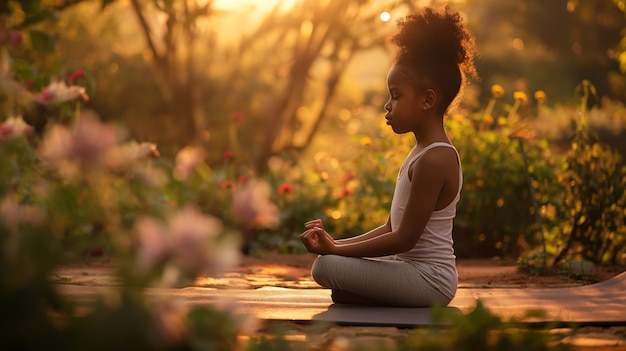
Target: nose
x=387 y=106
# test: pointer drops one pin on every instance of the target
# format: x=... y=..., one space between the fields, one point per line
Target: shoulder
x=435 y=162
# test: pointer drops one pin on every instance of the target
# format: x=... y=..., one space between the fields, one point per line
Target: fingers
x=316 y=223
x=310 y=239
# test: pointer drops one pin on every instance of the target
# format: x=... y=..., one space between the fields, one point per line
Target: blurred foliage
x=552 y=46
x=482 y=330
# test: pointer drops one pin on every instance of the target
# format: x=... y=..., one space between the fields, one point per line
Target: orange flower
x=541 y=96
x=497 y=91
x=285 y=188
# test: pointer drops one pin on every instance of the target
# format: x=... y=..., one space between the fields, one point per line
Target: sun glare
x=385 y=16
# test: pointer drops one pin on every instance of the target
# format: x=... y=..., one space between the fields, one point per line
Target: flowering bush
x=75 y=187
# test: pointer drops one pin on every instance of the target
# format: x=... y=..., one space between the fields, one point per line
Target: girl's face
x=404 y=106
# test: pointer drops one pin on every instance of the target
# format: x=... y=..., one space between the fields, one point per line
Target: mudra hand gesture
x=316 y=239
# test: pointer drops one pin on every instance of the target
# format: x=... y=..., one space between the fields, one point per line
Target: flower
x=192 y=236
x=77 y=74
x=12 y=127
x=346 y=178
x=57 y=92
x=187 y=160
x=252 y=206
x=227 y=184
x=122 y=155
x=345 y=192
x=541 y=96
x=285 y=188
x=86 y=145
x=497 y=91
x=190 y=241
x=488 y=120
x=152 y=243
x=520 y=96
x=241 y=180
x=228 y=155
x=29 y=84
x=237 y=116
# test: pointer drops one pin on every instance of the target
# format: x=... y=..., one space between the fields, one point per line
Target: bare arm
x=426 y=186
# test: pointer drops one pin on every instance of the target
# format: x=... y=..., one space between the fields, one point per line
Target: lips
x=388 y=118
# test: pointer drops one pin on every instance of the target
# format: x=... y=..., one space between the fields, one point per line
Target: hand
x=316 y=239
x=316 y=223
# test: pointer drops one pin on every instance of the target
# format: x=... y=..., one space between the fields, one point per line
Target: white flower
x=58 y=92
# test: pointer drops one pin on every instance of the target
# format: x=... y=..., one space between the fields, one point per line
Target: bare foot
x=345 y=297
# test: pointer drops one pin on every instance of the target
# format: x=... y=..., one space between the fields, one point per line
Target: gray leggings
x=387 y=280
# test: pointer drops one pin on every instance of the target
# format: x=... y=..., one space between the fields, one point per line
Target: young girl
x=409 y=261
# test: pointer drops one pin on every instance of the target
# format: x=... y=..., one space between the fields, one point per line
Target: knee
x=321 y=269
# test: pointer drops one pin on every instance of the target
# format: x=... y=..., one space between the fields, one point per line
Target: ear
x=430 y=99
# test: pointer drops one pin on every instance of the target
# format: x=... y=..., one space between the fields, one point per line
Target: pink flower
x=285 y=188
x=252 y=206
x=57 y=92
x=237 y=116
x=29 y=84
x=77 y=74
x=12 y=127
x=126 y=154
x=85 y=146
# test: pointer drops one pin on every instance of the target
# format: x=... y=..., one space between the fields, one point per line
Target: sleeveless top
x=433 y=254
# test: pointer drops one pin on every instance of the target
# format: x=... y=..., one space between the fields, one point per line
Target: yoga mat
x=595 y=304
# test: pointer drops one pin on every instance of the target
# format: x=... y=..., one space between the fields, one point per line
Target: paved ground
x=292 y=271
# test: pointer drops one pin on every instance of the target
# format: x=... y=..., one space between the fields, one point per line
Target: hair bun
x=435 y=36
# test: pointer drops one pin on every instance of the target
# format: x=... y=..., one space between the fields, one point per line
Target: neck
x=431 y=133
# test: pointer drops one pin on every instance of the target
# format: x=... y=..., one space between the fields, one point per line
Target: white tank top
x=433 y=254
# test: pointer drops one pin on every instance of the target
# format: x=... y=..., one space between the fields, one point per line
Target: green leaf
x=36 y=18
x=42 y=41
x=24 y=70
x=30 y=6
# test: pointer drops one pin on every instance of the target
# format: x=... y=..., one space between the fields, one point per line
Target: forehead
x=398 y=75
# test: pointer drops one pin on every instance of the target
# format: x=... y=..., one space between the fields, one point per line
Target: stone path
x=293 y=273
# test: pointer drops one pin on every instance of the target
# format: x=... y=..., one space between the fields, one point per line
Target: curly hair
x=437 y=46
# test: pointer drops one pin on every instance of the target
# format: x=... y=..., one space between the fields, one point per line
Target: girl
x=409 y=261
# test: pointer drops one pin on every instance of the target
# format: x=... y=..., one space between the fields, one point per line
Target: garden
x=171 y=138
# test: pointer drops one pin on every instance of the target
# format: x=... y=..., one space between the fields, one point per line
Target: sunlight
x=261 y=6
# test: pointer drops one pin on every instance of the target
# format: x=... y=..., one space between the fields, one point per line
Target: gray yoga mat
x=596 y=304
